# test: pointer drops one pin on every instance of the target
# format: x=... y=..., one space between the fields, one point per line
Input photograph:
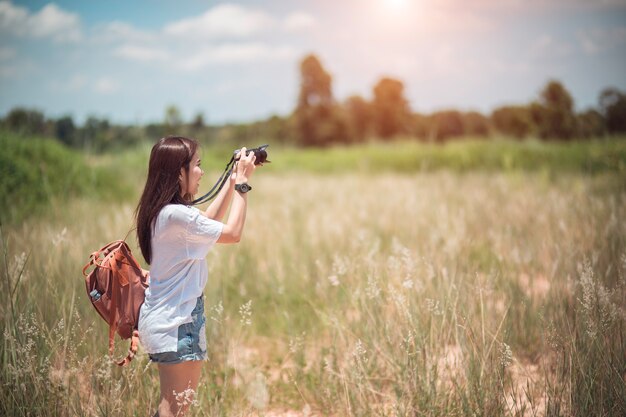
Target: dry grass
x=429 y=294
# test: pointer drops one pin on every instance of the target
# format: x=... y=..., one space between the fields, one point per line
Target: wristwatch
x=243 y=188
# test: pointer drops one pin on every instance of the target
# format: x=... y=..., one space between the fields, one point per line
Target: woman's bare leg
x=176 y=379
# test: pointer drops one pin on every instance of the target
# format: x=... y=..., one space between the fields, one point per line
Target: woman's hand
x=245 y=166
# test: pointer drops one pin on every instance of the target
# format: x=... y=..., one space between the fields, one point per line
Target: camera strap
x=214 y=191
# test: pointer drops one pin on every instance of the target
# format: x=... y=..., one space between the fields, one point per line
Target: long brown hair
x=168 y=156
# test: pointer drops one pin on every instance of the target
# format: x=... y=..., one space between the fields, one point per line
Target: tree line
x=319 y=119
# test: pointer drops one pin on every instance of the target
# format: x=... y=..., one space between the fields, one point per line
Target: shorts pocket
x=185 y=339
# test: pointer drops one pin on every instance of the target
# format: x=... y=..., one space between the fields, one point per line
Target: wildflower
x=372 y=290
x=400 y=301
x=185 y=397
x=506 y=355
x=433 y=307
x=340 y=265
x=295 y=344
x=328 y=364
x=245 y=311
x=216 y=312
x=359 y=352
x=410 y=337
x=554 y=339
x=598 y=310
x=334 y=281
x=18 y=266
x=60 y=237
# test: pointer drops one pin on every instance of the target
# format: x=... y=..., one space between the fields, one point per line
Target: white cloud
x=299 y=21
x=12 y=17
x=56 y=23
x=507 y=66
x=454 y=21
x=516 y=5
x=601 y=39
x=225 y=20
x=215 y=25
x=548 y=47
x=50 y=22
x=6 y=53
x=106 y=85
x=15 y=66
x=141 y=53
x=8 y=71
x=120 y=31
x=75 y=83
x=235 y=54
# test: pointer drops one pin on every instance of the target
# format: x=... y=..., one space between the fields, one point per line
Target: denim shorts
x=191 y=340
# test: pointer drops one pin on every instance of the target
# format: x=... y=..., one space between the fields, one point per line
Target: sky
x=238 y=61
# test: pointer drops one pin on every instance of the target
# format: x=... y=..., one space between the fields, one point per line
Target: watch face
x=244 y=188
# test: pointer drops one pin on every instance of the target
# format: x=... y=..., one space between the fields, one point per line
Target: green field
x=476 y=278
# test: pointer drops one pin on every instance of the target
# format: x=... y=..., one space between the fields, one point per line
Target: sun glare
x=396 y=4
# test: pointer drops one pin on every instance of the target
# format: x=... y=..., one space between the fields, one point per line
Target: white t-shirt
x=178 y=273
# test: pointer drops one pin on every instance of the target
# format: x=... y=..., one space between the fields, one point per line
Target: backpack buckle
x=95 y=295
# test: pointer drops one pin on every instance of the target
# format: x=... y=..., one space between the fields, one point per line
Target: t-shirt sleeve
x=202 y=233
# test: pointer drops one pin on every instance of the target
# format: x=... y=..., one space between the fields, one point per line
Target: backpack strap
x=134 y=342
x=104 y=251
x=113 y=318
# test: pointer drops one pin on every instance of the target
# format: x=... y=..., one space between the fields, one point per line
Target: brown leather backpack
x=116 y=288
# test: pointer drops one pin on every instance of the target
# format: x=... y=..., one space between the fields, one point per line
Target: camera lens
x=260 y=154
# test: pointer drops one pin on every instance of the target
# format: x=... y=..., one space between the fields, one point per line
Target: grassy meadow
x=471 y=279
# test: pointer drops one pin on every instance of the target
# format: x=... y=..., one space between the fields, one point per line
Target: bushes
x=34 y=172
x=589 y=157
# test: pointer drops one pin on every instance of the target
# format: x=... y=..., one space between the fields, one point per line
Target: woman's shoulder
x=177 y=213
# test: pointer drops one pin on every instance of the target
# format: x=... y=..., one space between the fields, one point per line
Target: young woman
x=175 y=238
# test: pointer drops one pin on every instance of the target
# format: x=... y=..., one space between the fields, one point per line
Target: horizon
x=237 y=62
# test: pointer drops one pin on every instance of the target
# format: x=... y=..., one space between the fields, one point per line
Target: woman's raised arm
x=233 y=228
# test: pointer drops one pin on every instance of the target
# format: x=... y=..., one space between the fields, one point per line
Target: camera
x=260 y=153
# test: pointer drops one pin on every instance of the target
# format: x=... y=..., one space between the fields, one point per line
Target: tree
x=65 y=130
x=447 y=124
x=515 y=121
x=590 y=124
x=315 y=84
x=155 y=130
x=95 y=133
x=359 y=113
x=173 y=119
x=421 y=127
x=475 y=124
x=390 y=109
x=554 y=112
x=26 y=121
x=319 y=121
x=613 y=108
x=198 y=122
x=278 y=129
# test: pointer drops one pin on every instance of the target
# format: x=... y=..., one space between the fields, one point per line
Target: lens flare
x=396 y=4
